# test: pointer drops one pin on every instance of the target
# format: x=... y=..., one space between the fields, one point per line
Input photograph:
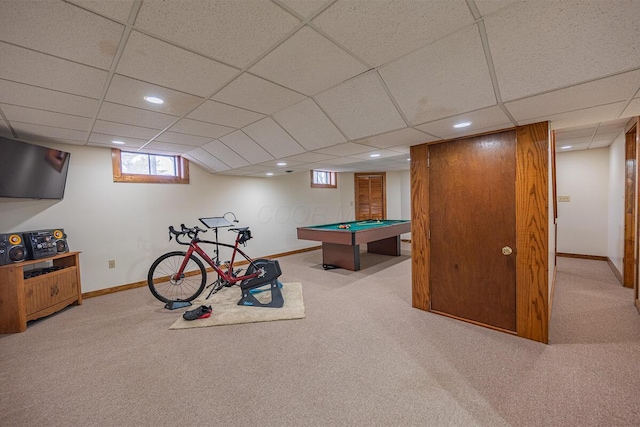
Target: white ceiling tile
x=599 y=92
x=225 y=154
x=118 y=10
x=238 y=172
x=127 y=91
x=379 y=31
x=45 y=118
x=196 y=127
x=273 y=164
x=310 y=157
x=304 y=7
x=612 y=125
x=576 y=147
x=579 y=43
x=606 y=138
x=381 y=154
x=307 y=123
x=45 y=99
x=165 y=148
x=487 y=7
x=579 y=132
x=256 y=94
x=400 y=149
x=61 y=29
x=47 y=133
x=336 y=161
x=309 y=63
x=183 y=139
x=481 y=121
x=134 y=116
x=235 y=32
x=600 y=144
x=223 y=114
x=443 y=79
x=633 y=109
x=256 y=168
x=176 y=68
x=106 y=139
x=361 y=107
x=209 y=160
x=121 y=129
x=577 y=141
x=239 y=142
x=406 y=136
x=273 y=138
x=347 y=149
x=26 y=66
x=580 y=117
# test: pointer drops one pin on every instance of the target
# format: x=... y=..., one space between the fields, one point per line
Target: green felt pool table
x=341 y=241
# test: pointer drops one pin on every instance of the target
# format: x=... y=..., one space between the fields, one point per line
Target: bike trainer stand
x=177 y=304
x=277 y=300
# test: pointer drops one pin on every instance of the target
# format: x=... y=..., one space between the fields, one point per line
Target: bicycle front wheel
x=165 y=283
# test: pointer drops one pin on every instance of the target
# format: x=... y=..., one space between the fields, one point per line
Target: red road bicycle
x=178 y=277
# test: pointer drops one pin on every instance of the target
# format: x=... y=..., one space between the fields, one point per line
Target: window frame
x=182 y=170
x=333 y=178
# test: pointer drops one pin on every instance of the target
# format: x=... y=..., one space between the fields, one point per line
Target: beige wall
x=615 y=238
x=583 y=222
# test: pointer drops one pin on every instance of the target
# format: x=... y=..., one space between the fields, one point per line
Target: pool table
x=341 y=241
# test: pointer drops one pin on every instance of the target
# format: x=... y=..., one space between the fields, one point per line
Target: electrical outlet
x=564 y=198
x=112 y=263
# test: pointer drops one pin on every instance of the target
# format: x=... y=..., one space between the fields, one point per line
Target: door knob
x=507 y=250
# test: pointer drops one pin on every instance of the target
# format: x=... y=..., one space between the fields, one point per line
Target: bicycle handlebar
x=191 y=232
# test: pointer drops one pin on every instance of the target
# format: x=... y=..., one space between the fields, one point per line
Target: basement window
x=149 y=168
x=323 y=179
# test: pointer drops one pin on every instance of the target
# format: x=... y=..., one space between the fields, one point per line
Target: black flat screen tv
x=31 y=171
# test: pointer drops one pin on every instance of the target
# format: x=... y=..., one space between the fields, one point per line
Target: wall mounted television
x=31 y=171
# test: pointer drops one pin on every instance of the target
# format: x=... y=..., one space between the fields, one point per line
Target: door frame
x=630 y=248
x=532 y=229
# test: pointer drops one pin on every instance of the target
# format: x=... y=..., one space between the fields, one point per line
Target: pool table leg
x=343 y=256
x=388 y=246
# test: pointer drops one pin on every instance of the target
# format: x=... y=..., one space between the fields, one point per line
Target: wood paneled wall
x=532 y=230
x=420 y=295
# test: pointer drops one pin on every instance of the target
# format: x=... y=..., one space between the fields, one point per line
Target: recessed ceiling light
x=153 y=100
x=409 y=159
x=282 y=164
x=118 y=142
x=462 y=125
x=269 y=173
x=565 y=147
x=375 y=155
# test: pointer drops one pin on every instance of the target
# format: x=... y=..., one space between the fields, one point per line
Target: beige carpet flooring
x=226 y=311
x=361 y=357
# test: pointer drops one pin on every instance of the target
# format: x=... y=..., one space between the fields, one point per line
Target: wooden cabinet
x=23 y=299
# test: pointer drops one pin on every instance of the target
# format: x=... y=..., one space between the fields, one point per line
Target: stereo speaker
x=12 y=249
x=45 y=243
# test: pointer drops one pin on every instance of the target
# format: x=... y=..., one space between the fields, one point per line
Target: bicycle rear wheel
x=167 y=286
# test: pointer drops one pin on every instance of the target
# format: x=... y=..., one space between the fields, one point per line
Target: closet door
x=370 y=196
x=472 y=204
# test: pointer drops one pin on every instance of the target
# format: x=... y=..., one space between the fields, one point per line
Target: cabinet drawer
x=44 y=291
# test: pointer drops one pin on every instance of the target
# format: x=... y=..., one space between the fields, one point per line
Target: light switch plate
x=564 y=198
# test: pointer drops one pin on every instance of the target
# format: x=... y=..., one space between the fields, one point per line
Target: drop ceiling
x=315 y=84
